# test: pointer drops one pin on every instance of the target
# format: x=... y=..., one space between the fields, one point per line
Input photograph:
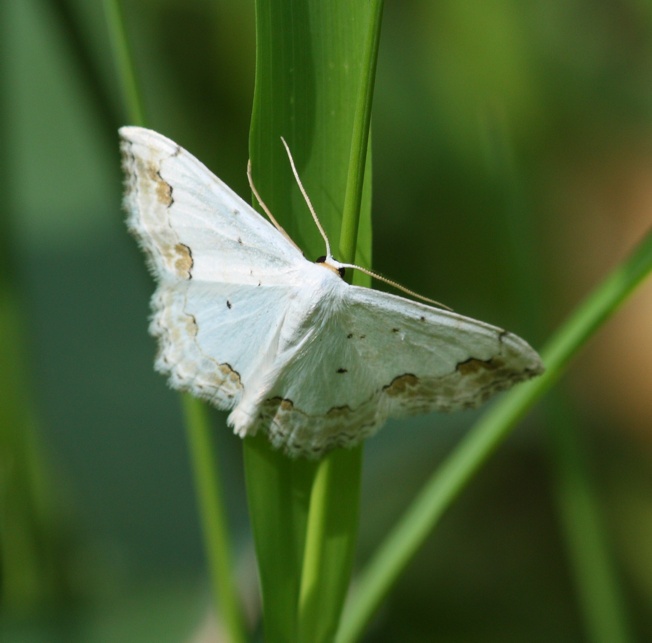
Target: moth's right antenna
x=277 y=225
x=308 y=202
x=329 y=256
x=394 y=284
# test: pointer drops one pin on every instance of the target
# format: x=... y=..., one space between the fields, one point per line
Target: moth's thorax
x=318 y=297
x=331 y=264
x=330 y=267
x=324 y=278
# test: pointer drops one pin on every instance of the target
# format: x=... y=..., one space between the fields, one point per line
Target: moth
x=247 y=323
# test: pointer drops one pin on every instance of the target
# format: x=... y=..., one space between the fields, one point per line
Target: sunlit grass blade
x=278 y=494
x=330 y=544
x=332 y=523
x=313 y=84
x=451 y=478
x=202 y=449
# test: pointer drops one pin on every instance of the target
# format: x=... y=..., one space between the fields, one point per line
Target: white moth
x=244 y=321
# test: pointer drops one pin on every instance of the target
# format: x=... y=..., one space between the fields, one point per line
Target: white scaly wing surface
x=224 y=273
x=172 y=198
x=373 y=355
x=244 y=321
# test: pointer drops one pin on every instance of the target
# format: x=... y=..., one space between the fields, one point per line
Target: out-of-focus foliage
x=512 y=168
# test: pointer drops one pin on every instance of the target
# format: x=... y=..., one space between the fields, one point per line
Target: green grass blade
x=313 y=86
x=202 y=450
x=75 y=36
x=278 y=494
x=124 y=62
x=445 y=485
x=213 y=515
x=33 y=530
x=332 y=523
x=308 y=77
x=590 y=556
x=330 y=544
x=359 y=168
x=35 y=523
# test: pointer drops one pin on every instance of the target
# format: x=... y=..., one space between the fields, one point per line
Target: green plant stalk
x=74 y=35
x=331 y=520
x=359 y=143
x=34 y=521
x=204 y=459
x=278 y=489
x=33 y=538
x=330 y=537
x=452 y=477
x=212 y=512
x=278 y=494
x=310 y=71
x=124 y=62
x=589 y=553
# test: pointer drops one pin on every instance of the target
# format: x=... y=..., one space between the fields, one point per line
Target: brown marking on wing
x=473 y=366
x=183 y=262
x=163 y=189
x=401 y=385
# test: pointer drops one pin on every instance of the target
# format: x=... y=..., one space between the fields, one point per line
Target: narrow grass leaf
x=202 y=448
x=580 y=515
x=124 y=62
x=312 y=65
x=212 y=512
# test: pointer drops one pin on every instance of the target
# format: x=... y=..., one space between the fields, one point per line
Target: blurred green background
x=512 y=164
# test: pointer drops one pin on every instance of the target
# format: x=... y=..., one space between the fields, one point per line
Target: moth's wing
x=429 y=359
x=189 y=222
x=216 y=340
x=224 y=272
x=319 y=394
x=378 y=356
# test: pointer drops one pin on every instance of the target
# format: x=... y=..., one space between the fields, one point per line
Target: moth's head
x=331 y=264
